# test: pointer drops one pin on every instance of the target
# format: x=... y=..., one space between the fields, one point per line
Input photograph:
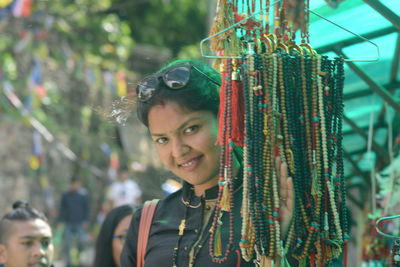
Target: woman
x=179 y=106
x=112 y=237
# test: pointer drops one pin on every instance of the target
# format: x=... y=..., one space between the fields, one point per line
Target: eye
x=28 y=243
x=45 y=243
x=191 y=129
x=161 y=140
x=123 y=237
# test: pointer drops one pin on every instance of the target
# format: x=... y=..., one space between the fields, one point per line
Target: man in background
x=124 y=191
x=74 y=213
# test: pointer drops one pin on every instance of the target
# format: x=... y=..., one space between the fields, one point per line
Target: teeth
x=188 y=163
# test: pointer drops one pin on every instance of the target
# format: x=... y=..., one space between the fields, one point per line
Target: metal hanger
x=385 y=219
x=263 y=12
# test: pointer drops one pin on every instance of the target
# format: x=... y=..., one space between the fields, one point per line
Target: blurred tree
x=165 y=23
x=63 y=59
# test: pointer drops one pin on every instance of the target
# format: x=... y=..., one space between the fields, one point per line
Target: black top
x=194 y=245
x=74 y=207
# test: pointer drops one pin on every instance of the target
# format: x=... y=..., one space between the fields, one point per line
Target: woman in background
x=112 y=237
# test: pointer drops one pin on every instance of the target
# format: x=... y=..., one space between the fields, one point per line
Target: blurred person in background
x=74 y=213
x=25 y=238
x=124 y=191
x=112 y=237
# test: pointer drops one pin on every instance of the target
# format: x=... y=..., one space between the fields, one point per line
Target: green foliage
x=9 y=66
x=76 y=44
x=95 y=35
x=165 y=23
x=81 y=48
x=189 y=51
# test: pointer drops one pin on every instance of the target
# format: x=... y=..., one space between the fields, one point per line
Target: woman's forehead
x=171 y=116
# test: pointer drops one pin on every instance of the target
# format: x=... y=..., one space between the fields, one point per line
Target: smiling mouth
x=191 y=163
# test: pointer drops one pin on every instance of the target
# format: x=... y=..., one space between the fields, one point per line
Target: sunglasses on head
x=174 y=78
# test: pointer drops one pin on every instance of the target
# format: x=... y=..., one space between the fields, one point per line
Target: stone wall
x=17 y=179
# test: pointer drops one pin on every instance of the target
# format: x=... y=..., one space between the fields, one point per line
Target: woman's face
x=185 y=141
x=118 y=243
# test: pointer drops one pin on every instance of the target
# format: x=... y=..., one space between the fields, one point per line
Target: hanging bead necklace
x=250 y=144
x=293 y=110
x=245 y=243
x=267 y=154
x=225 y=183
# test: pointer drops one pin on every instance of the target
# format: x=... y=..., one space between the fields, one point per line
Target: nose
x=38 y=250
x=179 y=148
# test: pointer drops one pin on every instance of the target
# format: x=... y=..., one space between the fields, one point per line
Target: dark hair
x=104 y=256
x=21 y=212
x=73 y=179
x=123 y=168
x=201 y=93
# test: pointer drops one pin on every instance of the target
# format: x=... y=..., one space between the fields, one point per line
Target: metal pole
x=380 y=90
x=385 y=11
x=395 y=63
